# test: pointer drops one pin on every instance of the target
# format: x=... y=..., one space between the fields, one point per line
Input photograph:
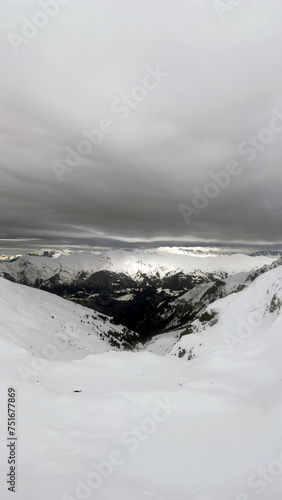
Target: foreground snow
x=149 y=427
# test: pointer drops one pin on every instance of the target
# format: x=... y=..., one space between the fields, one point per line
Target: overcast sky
x=208 y=79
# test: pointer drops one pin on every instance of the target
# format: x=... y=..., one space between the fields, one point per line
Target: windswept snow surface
x=205 y=429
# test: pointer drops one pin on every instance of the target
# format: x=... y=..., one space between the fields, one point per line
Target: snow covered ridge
x=7 y=258
x=135 y=263
x=51 y=327
x=243 y=319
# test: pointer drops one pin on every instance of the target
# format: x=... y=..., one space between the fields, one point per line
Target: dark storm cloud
x=224 y=83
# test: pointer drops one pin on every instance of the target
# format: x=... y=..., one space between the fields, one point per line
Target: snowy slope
x=163 y=343
x=205 y=429
x=34 y=318
x=248 y=317
x=185 y=308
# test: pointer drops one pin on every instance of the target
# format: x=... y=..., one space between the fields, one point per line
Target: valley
x=145 y=291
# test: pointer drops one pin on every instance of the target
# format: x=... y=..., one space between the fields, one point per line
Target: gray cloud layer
x=224 y=82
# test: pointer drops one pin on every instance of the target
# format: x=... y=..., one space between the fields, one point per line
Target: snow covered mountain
x=138 y=288
x=247 y=315
x=200 y=423
x=79 y=266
